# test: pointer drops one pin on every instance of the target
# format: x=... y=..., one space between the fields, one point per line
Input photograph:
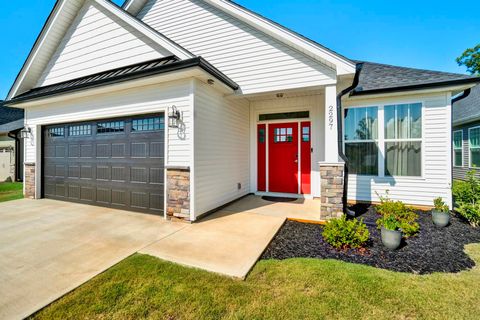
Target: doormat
x=279 y=199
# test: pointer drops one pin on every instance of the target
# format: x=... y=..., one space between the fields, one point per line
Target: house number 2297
x=331 y=118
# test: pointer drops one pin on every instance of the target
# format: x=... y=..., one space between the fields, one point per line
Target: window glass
x=56 y=132
x=403 y=121
x=110 y=127
x=457 y=148
x=283 y=135
x=284 y=115
x=361 y=123
x=474 y=147
x=148 y=124
x=361 y=131
x=306 y=134
x=403 y=158
x=362 y=157
x=80 y=130
x=261 y=135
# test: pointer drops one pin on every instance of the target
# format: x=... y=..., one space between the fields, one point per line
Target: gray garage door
x=116 y=163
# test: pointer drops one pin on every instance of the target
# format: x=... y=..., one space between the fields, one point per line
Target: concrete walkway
x=226 y=242
x=48 y=248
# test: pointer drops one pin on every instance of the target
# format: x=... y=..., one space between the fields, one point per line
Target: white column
x=331 y=134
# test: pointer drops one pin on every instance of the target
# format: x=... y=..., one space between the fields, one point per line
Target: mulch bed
x=432 y=250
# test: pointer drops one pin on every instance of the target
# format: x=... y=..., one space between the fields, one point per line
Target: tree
x=471 y=59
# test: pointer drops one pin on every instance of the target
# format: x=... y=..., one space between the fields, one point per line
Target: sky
x=421 y=33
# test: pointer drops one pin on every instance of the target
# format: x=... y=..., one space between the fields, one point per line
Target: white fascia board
x=145 y=30
x=343 y=66
x=36 y=49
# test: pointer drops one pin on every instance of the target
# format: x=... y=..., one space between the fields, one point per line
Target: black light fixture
x=174 y=117
x=26 y=133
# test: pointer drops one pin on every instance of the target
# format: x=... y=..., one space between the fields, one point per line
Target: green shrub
x=440 y=205
x=389 y=222
x=466 y=191
x=471 y=212
x=466 y=195
x=406 y=216
x=343 y=234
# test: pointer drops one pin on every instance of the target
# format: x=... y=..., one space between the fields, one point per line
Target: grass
x=11 y=191
x=145 y=287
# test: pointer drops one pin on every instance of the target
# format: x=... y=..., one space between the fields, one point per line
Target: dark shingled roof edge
x=377 y=78
x=128 y=73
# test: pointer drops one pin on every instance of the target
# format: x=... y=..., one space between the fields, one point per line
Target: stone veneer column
x=29 y=180
x=332 y=178
x=178 y=194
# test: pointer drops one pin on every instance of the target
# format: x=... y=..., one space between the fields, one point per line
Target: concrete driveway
x=48 y=248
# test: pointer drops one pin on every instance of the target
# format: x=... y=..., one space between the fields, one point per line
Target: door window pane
x=403 y=158
x=361 y=123
x=283 y=135
x=362 y=157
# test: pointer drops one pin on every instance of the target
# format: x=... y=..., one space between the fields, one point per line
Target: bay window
x=474 y=146
x=385 y=140
x=458 y=148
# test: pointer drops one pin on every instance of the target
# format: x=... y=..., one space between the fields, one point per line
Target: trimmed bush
x=406 y=216
x=344 y=234
x=388 y=222
x=466 y=195
x=440 y=205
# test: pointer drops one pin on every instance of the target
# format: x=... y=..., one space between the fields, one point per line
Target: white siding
x=256 y=61
x=141 y=100
x=315 y=103
x=436 y=157
x=221 y=155
x=97 y=41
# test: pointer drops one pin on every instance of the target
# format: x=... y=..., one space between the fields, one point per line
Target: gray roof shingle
x=467 y=109
x=8 y=115
x=377 y=78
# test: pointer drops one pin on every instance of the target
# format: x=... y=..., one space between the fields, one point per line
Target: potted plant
x=390 y=230
x=441 y=213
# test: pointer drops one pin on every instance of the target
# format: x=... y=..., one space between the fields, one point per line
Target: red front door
x=283 y=157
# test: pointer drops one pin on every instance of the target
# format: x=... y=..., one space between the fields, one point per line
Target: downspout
x=342 y=155
x=13 y=135
x=465 y=94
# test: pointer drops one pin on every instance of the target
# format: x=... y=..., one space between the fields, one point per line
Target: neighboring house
x=11 y=146
x=183 y=106
x=466 y=134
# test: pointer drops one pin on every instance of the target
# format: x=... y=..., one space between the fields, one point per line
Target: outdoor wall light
x=26 y=133
x=174 y=117
x=280 y=95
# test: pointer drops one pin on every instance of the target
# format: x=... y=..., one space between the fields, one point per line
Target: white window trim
x=381 y=139
x=461 y=147
x=470 y=148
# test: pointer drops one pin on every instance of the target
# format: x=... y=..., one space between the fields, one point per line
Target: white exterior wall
x=436 y=156
x=256 y=61
x=221 y=156
x=315 y=103
x=97 y=41
x=140 y=100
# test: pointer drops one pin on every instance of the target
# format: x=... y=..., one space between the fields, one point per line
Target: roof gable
x=269 y=27
x=253 y=59
x=56 y=29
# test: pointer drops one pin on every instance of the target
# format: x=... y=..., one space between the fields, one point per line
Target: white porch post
x=331 y=134
x=332 y=168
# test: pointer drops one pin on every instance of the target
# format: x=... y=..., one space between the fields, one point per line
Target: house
x=11 y=146
x=179 y=107
x=466 y=133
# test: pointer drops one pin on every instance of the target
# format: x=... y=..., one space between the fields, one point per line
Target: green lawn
x=145 y=287
x=10 y=191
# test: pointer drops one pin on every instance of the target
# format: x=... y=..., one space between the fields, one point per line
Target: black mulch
x=432 y=250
